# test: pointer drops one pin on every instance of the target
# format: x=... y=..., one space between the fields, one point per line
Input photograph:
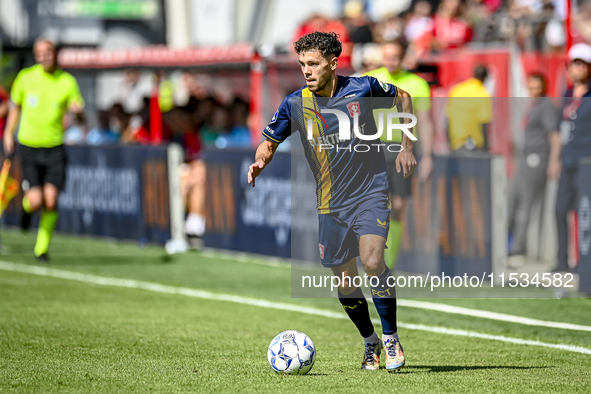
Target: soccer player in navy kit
x=352 y=184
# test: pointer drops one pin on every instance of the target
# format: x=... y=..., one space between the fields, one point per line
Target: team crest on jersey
x=321 y=247
x=354 y=108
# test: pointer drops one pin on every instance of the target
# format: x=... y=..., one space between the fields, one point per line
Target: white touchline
x=491 y=315
x=159 y=288
x=439 y=307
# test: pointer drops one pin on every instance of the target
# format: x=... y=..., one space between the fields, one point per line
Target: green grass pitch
x=64 y=335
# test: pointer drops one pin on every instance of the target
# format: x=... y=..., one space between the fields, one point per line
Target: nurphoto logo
x=344 y=133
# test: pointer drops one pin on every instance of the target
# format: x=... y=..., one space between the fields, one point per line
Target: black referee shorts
x=44 y=165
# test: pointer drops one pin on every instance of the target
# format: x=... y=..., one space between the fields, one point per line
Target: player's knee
x=373 y=264
x=35 y=199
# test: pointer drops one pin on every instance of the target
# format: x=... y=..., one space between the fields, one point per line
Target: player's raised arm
x=406 y=161
x=262 y=157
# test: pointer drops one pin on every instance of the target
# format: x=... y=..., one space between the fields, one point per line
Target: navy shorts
x=339 y=232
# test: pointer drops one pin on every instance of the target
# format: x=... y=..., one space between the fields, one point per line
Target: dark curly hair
x=325 y=43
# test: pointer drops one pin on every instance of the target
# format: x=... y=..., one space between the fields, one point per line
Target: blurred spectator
x=450 y=29
x=582 y=21
x=479 y=16
x=194 y=85
x=193 y=181
x=529 y=185
x=389 y=29
x=319 y=22
x=419 y=31
x=165 y=91
x=118 y=119
x=469 y=111
x=420 y=22
x=74 y=133
x=239 y=135
x=134 y=88
x=357 y=23
x=102 y=134
x=520 y=8
x=491 y=5
x=203 y=111
x=4 y=103
x=138 y=129
x=575 y=130
x=218 y=125
x=193 y=172
x=371 y=58
x=178 y=121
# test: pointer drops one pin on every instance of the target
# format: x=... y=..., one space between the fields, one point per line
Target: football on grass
x=291 y=352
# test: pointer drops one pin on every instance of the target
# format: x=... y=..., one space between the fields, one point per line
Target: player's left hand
x=406 y=162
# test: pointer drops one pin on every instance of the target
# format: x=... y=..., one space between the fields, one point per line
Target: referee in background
x=41 y=95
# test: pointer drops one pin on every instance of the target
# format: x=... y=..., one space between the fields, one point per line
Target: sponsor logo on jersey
x=275 y=116
x=321 y=247
x=385 y=86
x=382 y=224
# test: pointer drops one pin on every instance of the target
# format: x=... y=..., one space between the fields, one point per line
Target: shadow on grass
x=456 y=368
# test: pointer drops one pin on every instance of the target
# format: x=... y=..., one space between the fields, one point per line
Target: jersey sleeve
x=17 y=91
x=280 y=127
x=382 y=89
x=75 y=97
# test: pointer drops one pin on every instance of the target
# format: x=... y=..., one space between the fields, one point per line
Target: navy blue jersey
x=345 y=171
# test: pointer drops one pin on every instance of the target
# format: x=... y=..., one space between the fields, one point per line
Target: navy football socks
x=384 y=298
x=355 y=305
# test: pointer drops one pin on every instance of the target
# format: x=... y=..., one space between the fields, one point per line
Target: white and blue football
x=291 y=352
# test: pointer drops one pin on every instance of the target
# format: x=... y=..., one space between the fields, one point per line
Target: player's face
x=392 y=56
x=317 y=69
x=45 y=55
x=535 y=87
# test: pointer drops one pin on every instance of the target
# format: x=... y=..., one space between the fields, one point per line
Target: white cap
x=580 y=51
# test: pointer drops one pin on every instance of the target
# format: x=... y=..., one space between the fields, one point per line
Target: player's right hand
x=254 y=170
x=8 y=143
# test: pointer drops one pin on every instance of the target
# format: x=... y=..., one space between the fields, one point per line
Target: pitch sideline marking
x=491 y=315
x=159 y=288
x=435 y=306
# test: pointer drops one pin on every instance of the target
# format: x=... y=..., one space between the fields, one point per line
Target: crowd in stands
x=203 y=121
x=432 y=26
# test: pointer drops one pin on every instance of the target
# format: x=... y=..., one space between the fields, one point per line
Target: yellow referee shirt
x=468 y=108
x=417 y=87
x=44 y=99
